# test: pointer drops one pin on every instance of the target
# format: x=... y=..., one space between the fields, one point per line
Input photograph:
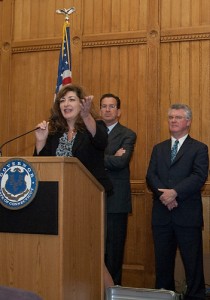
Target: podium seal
x=18 y=183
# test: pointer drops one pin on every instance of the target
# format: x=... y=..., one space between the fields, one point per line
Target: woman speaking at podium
x=74 y=130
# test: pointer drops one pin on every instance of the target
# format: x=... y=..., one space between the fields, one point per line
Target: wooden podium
x=67 y=265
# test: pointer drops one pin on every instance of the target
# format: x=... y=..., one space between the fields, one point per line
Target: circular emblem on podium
x=18 y=183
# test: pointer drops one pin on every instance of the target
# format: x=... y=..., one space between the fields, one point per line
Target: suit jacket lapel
x=114 y=131
x=111 y=138
x=77 y=142
x=167 y=152
x=183 y=148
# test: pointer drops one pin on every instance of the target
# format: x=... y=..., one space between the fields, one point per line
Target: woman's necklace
x=71 y=133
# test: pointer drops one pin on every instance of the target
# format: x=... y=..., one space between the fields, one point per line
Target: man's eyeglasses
x=110 y=106
x=177 y=118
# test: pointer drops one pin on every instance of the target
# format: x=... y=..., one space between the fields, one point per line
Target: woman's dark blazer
x=89 y=150
x=187 y=175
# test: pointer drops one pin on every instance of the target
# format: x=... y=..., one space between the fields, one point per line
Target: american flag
x=64 y=66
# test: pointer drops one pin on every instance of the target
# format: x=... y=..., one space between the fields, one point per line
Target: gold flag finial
x=66 y=12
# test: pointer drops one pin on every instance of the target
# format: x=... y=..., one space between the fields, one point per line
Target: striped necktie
x=174 y=150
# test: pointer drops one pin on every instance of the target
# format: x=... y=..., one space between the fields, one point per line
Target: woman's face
x=70 y=106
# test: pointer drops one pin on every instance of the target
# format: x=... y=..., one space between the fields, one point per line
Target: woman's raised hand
x=42 y=132
x=86 y=106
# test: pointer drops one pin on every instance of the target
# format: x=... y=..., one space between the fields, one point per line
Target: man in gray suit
x=176 y=175
x=121 y=141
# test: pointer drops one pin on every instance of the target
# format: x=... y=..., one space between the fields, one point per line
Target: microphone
x=17 y=137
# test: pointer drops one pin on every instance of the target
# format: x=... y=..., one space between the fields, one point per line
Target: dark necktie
x=174 y=150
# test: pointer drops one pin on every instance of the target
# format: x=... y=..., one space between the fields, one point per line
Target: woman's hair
x=57 y=123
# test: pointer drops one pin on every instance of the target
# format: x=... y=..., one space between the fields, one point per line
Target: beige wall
x=150 y=52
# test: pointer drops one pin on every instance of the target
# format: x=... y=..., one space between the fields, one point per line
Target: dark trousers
x=116 y=228
x=189 y=241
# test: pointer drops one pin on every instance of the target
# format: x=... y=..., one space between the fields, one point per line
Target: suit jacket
x=118 y=168
x=89 y=150
x=187 y=174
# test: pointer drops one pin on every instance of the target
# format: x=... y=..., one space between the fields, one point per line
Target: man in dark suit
x=177 y=217
x=121 y=141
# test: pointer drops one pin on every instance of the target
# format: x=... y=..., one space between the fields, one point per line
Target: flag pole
x=64 y=65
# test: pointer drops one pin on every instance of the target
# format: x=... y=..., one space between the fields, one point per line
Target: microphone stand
x=17 y=137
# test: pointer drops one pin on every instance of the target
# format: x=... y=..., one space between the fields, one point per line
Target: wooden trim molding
x=185 y=34
x=36 y=45
x=116 y=39
x=140 y=187
x=135 y=267
x=32 y=48
x=185 y=37
x=206 y=189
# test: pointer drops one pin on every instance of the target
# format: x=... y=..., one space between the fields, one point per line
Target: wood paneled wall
x=149 y=52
